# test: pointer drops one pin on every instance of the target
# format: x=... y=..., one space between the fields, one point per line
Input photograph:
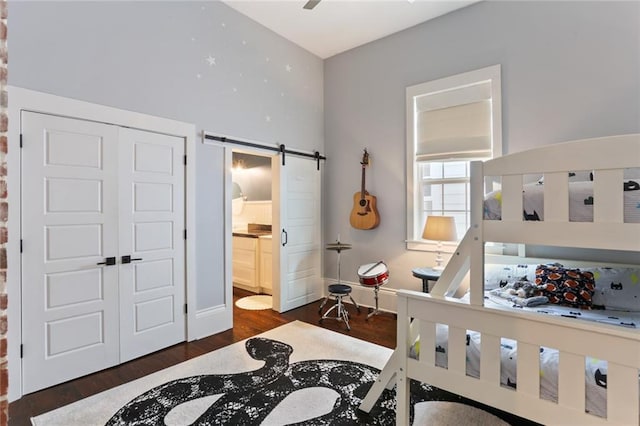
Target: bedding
x=616 y=288
x=617 y=317
x=522 y=293
x=580 y=202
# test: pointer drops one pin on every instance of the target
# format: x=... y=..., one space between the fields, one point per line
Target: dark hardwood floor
x=380 y=329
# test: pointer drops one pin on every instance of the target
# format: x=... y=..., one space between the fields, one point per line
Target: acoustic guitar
x=364 y=214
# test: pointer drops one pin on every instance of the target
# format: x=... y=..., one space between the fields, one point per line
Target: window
x=450 y=122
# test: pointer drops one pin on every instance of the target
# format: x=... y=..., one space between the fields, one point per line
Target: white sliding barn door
x=152 y=285
x=69 y=227
x=297 y=221
x=103 y=248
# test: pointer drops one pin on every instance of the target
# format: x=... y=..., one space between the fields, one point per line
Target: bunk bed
x=576 y=343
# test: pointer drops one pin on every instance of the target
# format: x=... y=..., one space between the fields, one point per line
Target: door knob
x=129 y=259
x=108 y=261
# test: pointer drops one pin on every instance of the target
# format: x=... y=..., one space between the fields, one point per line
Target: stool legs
x=324 y=302
x=341 y=311
x=326 y=299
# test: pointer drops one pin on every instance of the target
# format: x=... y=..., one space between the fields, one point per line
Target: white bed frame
x=418 y=313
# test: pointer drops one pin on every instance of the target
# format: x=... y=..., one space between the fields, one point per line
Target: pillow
x=617 y=288
x=564 y=286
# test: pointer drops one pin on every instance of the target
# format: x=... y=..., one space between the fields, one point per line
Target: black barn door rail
x=280 y=148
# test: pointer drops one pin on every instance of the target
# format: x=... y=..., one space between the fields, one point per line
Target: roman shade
x=455 y=124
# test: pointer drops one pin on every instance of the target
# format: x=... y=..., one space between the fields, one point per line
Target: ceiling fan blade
x=311 y=4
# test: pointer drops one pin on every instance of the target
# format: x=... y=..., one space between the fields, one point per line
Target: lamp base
x=439 y=259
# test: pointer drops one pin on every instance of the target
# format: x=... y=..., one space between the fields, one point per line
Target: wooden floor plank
x=380 y=329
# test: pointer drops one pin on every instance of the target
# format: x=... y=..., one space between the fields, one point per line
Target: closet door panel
x=152 y=286
x=69 y=227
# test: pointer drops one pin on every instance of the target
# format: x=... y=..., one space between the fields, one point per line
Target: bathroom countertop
x=253 y=230
x=248 y=234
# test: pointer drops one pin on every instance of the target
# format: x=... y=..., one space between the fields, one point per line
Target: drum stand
x=376 y=311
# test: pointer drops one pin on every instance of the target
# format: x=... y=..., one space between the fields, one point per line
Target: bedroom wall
x=570 y=70
x=200 y=62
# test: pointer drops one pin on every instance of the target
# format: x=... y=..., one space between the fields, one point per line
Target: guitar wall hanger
x=364 y=214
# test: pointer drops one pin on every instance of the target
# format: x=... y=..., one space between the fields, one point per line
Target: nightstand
x=426 y=275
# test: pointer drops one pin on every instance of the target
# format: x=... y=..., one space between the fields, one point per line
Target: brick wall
x=4 y=383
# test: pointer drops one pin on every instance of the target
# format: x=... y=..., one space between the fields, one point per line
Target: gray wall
x=570 y=70
x=151 y=57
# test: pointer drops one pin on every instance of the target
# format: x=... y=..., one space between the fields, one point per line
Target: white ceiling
x=334 y=26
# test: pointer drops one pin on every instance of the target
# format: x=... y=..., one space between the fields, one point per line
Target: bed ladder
x=446 y=286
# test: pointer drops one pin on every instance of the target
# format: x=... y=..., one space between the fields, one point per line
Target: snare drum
x=373 y=274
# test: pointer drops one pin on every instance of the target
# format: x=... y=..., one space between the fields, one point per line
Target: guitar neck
x=362 y=190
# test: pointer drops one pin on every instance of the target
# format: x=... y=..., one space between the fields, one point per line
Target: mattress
x=621 y=318
x=580 y=203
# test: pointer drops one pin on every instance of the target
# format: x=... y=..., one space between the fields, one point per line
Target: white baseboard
x=210 y=321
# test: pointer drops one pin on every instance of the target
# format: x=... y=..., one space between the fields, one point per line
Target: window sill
x=417 y=245
x=450 y=247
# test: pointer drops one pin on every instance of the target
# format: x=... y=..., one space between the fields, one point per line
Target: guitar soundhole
x=363 y=203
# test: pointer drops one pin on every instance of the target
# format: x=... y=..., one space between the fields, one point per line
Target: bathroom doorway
x=252 y=237
x=295 y=225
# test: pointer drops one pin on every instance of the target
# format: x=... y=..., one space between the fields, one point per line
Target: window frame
x=491 y=74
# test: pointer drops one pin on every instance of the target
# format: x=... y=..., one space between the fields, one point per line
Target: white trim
x=193 y=321
x=491 y=73
x=450 y=247
x=428 y=246
x=205 y=318
x=228 y=235
x=29 y=100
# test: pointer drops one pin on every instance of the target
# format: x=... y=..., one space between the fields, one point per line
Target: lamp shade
x=440 y=228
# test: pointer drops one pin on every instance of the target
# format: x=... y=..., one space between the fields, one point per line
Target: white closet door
x=298 y=225
x=69 y=227
x=152 y=286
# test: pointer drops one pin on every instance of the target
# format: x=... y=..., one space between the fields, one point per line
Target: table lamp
x=440 y=228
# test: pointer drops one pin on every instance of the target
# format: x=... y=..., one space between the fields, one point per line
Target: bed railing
x=574 y=340
x=418 y=313
x=607 y=158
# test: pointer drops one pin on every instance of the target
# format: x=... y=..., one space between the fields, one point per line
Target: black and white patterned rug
x=280 y=377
